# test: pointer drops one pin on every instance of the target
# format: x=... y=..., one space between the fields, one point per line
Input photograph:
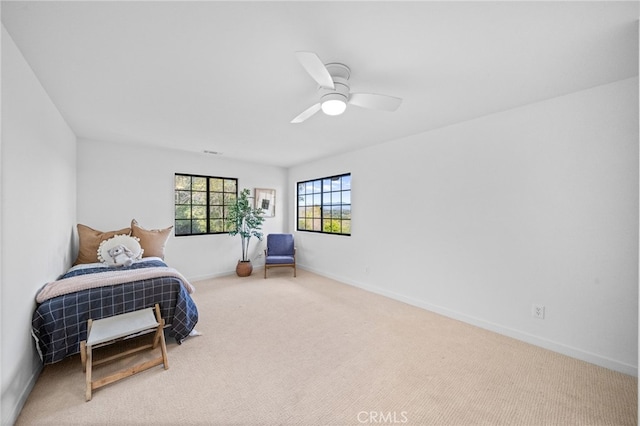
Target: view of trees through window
x=324 y=205
x=202 y=202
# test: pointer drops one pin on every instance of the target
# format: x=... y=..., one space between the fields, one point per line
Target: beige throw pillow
x=90 y=240
x=151 y=240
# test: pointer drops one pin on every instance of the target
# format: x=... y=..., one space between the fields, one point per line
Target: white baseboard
x=580 y=354
x=194 y=279
x=9 y=416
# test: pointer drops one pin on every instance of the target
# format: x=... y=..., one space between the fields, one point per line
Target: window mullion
x=206 y=213
x=321 y=204
x=191 y=218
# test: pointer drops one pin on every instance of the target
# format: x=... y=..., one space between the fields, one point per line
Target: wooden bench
x=107 y=331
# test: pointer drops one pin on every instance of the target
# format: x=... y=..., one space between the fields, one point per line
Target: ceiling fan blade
x=374 y=101
x=316 y=69
x=306 y=113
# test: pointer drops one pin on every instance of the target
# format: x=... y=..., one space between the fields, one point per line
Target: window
x=202 y=203
x=324 y=205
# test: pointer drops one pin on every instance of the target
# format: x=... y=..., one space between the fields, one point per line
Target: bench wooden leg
x=163 y=347
x=83 y=355
x=160 y=337
x=89 y=362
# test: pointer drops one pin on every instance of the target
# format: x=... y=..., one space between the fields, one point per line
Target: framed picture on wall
x=265 y=199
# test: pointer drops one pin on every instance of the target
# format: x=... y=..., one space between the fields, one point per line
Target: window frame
x=226 y=201
x=319 y=192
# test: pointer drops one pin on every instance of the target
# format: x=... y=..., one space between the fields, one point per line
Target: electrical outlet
x=537 y=311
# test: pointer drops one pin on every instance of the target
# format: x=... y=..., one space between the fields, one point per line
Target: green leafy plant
x=246 y=221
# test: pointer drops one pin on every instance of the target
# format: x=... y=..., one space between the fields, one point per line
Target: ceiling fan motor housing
x=341 y=90
x=338 y=70
x=340 y=74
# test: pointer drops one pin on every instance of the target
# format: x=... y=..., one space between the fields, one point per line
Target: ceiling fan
x=335 y=93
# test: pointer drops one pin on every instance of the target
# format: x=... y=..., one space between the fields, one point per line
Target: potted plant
x=246 y=221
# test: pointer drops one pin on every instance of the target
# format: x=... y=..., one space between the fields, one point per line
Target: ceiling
x=223 y=76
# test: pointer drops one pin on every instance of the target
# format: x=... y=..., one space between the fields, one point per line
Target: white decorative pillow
x=131 y=243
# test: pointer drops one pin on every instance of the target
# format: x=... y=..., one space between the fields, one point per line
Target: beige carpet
x=311 y=351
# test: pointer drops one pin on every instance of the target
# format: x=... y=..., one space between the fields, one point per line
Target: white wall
x=482 y=219
x=38 y=210
x=117 y=183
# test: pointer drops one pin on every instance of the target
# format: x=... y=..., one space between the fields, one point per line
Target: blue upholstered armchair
x=280 y=251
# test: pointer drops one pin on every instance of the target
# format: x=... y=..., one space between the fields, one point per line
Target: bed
x=59 y=322
x=98 y=290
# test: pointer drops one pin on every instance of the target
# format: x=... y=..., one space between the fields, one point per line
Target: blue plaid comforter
x=60 y=324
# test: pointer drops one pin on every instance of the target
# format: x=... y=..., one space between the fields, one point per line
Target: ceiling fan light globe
x=334 y=106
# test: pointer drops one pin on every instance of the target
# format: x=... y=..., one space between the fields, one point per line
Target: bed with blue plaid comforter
x=59 y=324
